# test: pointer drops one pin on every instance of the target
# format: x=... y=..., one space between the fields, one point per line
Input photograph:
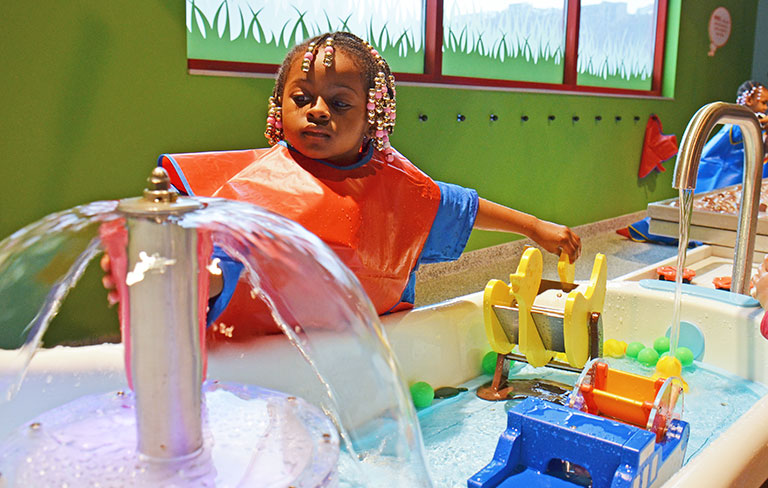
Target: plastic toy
x=648 y=356
x=661 y=344
x=543 y=318
x=670 y=367
x=551 y=445
x=685 y=356
x=422 y=394
x=669 y=273
x=634 y=348
x=618 y=430
x=648 y=403
x=614 y=348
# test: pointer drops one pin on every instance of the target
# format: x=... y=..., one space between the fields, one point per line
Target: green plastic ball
x=633 y=348
x=661 y=344
x=422 y=394
x=489 y=363
x=685 y=356
x=648 y=356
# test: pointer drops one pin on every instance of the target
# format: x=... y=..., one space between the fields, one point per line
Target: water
x=293 y=271
x=92 y=442
x=461 y=433
x=686 y=211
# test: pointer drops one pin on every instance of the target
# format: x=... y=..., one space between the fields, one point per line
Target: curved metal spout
x=687 y=168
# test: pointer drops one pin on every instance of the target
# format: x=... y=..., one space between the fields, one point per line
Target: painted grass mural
x=616 y=42
x=263 y=31
x=504 y=39
x=525 y=40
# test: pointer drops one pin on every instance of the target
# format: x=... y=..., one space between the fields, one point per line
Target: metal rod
x=166 y=363
x=163 y=338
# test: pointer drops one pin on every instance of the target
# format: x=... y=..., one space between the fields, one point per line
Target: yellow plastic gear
x=565 y=269
x=496 y=293
x=578 y=308
x=524 y=285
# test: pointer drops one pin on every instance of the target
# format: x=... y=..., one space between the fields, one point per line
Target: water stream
x=313 y=297
x=686 y=210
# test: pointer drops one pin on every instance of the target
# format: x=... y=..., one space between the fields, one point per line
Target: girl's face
x=324 y=110
x=758 y=101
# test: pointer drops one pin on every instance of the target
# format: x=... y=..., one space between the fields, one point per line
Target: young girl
x=330 y=116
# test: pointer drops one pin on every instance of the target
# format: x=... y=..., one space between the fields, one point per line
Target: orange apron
x=376 y=216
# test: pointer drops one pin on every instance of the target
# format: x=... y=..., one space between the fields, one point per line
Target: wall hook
x=551 y=118
x=598 y=118
x=460 y=118
x=494 y=117
x=423 y=117
x=637 y=118
x=575 y=118
x=524 y=118
x=618 y=118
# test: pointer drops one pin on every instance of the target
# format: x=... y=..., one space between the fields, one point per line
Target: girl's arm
x=552 y=237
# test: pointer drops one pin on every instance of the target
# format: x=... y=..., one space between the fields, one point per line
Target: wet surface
x=551 y=391
x=448 y=391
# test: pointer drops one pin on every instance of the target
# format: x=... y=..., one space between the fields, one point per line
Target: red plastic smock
x=375 y=215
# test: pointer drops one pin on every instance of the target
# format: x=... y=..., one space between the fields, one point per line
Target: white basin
x=443 y=344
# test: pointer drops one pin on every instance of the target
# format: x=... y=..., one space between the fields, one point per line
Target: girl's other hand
x=108 y=280
x=760 y=283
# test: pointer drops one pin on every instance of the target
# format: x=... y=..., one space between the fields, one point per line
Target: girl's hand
x=763 y=119
x=108 y=280
x=557 y=239
x=554 y=238
x=760 y=283
x=113 y=297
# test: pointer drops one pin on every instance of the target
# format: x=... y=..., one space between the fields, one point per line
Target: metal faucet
x=687 y=168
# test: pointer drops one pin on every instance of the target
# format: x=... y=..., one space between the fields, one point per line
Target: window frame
x=433 y=43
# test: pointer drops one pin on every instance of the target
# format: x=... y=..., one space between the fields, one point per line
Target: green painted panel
x=90 y=100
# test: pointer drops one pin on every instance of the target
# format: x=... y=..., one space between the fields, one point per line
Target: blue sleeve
x=230 y=272
x=449 y=233
x=453 y=223
x=722 y=160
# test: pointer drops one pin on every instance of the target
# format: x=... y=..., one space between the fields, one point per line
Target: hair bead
x=308 y=57
x=328 y=56
x=274 y=130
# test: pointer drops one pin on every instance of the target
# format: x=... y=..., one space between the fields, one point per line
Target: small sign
x=719 y=29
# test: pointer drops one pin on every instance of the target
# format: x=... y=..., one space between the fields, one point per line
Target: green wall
x=93 y=91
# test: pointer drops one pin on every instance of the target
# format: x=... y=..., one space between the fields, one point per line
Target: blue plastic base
x=546 y=444
x=724 y=296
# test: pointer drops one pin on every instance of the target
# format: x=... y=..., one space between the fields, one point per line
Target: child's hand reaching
x=113 y=296
x=552 y=237
x=760 y=284
x=557 y=239
x=108 y=280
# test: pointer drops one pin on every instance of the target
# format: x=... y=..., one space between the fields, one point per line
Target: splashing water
x=313 y=297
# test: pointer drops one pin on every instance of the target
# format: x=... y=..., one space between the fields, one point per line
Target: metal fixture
x=687 y=168
x=164 y=323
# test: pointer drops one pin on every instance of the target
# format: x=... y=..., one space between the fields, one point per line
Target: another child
x=759 y=289
x=330 y=116
x=722 y=160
